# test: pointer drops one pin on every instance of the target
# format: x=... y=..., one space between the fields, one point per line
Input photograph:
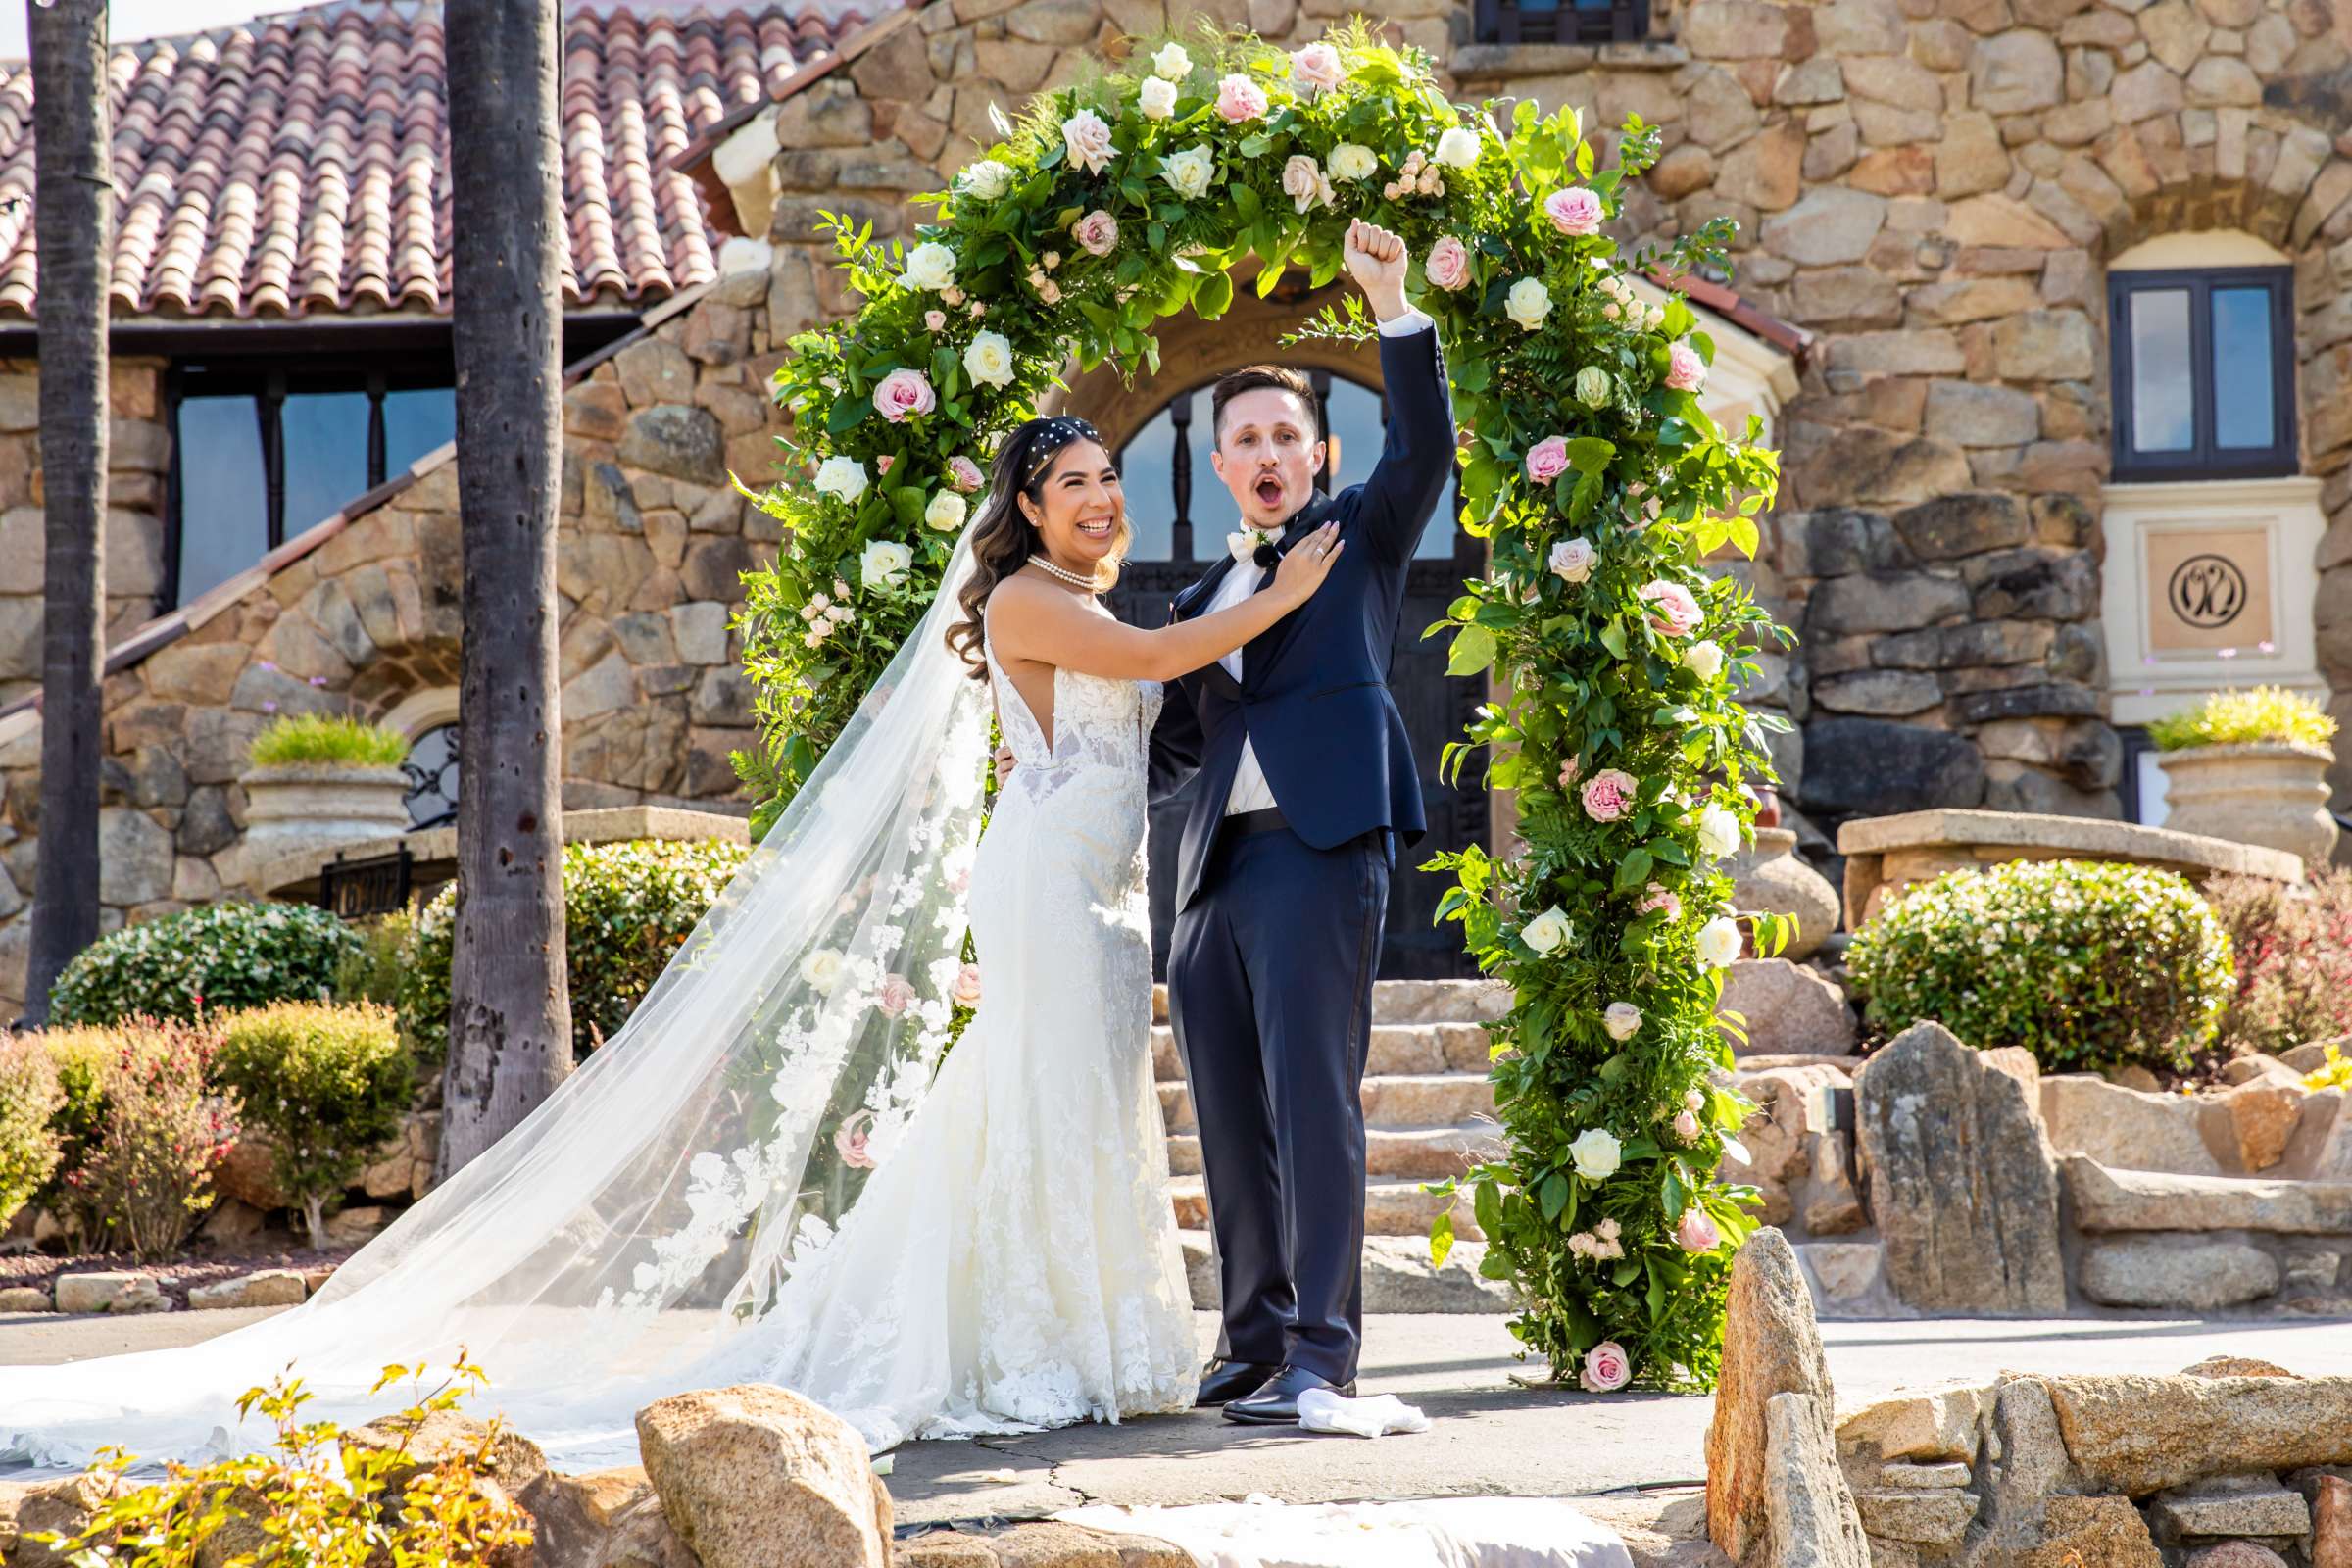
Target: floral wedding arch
x=1590 y=469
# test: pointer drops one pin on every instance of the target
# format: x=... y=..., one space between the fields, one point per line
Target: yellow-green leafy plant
x=327 y=738
x=1590 y=468
x=327 y=1084
x=317 y=1496
x=2242 y=718
x=30 y=1101
x=2335 y=1071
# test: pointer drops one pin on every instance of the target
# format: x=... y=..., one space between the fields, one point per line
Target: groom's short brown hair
x=1251 y=378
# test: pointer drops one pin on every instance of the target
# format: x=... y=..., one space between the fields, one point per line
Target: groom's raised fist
x=1376 y=261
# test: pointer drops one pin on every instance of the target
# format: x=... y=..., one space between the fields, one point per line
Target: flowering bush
x=327 y=1084
x=29 y=1097
x=1590 y=468
x=626 y=908
x=222 y=956
x=2086 y=964
x=145 y=1178
x=2242 y=718
x=2294 y=947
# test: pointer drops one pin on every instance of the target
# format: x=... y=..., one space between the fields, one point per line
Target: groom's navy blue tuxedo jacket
x=1313 y=698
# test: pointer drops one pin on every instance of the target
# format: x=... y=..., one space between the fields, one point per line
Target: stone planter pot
x=1769 y=877
x=319 y=807
x=2269 y=793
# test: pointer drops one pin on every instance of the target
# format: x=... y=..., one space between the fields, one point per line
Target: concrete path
x=1488 y=1433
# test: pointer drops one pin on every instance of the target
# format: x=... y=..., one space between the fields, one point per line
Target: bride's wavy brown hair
x=1003 y=538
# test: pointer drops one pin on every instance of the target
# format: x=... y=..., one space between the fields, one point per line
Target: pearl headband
x=1058 y=433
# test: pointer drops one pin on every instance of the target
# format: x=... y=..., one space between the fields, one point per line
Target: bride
x=760 y=1178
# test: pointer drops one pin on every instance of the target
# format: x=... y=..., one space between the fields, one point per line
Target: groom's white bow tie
x=1247 y=542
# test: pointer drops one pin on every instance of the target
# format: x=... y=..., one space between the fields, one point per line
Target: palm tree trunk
x=509 y=1036
x=73 y=202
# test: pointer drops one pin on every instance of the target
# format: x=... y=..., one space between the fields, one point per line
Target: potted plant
x=2250 y=766
x=317 y=782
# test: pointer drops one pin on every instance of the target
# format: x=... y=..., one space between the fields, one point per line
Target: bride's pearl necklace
x=1059 y=575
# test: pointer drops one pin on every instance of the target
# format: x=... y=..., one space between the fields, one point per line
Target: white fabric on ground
x=1321 y=1410
x=1431 y=1532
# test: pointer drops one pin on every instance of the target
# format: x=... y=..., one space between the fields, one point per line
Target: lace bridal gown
x=759 y=1177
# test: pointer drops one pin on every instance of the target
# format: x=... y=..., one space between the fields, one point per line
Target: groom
x=1303 y=784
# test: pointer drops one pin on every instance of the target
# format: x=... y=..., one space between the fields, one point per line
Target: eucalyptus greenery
x=1590 y=467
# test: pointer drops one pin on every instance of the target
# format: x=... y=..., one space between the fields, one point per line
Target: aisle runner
x=1435 y=1533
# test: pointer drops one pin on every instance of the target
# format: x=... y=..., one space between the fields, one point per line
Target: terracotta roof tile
x=297 y=164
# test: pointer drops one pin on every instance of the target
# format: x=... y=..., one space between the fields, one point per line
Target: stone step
x=1425 y=1154
x=1397 y=1277
x=1399 y=1099
x=1411 y=1002
x=2108 y=1199
x=1391 y=1208
x=1396 y=1048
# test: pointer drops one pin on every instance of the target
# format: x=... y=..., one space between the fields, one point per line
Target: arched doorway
x=1181 y=514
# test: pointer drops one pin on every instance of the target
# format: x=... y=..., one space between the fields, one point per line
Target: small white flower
x=1593 y=389
x=1718 y=831
x=1157 y=98
x=930 y=266
x=1171 y=63
x=1546 y=931
x=987 y=179
x=1353 y=161
x=1622 y=1020
x=884 y=562
x=1572 y=560
x=989 y=359
x=841 y=476
x=821 y=970
x=945 y=513
x=1459 y=147
x=1719 y=942
x=1597 y=1153
x=1704 y=659
x=1528 y=303
x=1190 y=172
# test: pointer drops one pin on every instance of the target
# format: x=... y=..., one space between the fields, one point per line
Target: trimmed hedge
x=30 y=1100
x=2086 y=964
x=626 y=907
x=217 y=958
x=327 y=1084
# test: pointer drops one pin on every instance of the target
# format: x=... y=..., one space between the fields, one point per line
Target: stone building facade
x=1938 y=201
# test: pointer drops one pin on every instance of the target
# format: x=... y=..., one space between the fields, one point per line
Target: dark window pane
x=2162 y=393
x=2243 y=412
x=327 y=455
x=432 y=770
x=416 y=422
x=224 y=494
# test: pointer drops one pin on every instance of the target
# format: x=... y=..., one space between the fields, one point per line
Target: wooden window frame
x=2203 y=459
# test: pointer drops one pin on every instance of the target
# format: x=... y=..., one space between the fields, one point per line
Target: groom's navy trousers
x=1280 y=915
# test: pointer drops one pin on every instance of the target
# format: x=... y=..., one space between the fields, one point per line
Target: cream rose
x=945 y=513
x=1304 y=183
x=1622 y=1021
x=1593 y=389
x=1353 y=161
x=1546 y=931
x=821 y=970
x=929 y=265
x=1572 y=560
x=989 y=359
x=1718 y=831
x=1528 y=303
x=965 y=992
x=1597 y=1153
x=1459 y=147
x=884 y=563
x=1088 y=139
x=1156 y=98
x=987 y=180
x=1190 y=172
x=1704 y=659
x=841 y=476
x=1719 y=942
x=1171 y=63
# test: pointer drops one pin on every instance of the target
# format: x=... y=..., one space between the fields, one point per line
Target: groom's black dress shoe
x=1276 y=1404
x=1230 y=1380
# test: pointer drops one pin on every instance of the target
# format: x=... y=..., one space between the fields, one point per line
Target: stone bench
x=1886 y=854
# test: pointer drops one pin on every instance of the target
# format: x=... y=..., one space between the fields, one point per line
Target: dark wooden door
x=1181 y=516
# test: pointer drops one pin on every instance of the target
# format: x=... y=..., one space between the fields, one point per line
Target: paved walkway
x=1489 y=1435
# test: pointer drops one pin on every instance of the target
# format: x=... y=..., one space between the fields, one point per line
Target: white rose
x=822 y=969
x=1528 y=303
x=1157 y=98
x=987 y=180
x=1622 y=1021
x=989 y=359
x=1718 y=831
x=1719 y=942
x=1190 y=172
x=1546 y=931
x=843 y=476
x=1352 y=160
x=946 y=512
x=1571 y=559
x=1704 y=659
x=930 y=266
x=1597 y=1153
x=884 y=563
x=1171 y=64
x=1459 y=147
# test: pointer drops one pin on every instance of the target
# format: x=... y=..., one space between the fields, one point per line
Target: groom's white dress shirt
x=1250 y=792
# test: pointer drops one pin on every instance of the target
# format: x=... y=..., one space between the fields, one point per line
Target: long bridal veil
x=658 y=1202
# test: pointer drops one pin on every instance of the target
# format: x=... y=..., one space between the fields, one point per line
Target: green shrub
x=145 y=1178
x=373 y=970
x=2294 y=947
x=2086 y=964
x=221 y=956
x=2243 y=717
x=327 y=1084
x=29 y=1098
x=626 y=908
x=327 y=738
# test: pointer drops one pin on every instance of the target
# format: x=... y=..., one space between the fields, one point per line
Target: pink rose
x=1685 y=371
x=1697 y=1233
x=1548 y=458
x=882 y=464
x=848 y=1140
x=964 y=475
x=1097 y=232
x=1606 y=1369
x=1575 y=212
x=1240 y=99
x=934 y=321
x=966 y=989
x=1686 y=1127
x=1087 y=139
x=903 y=392
x=1316 y=66
x=1658 y=898
x=1568 y=771
x=1677 y=611
x=1448 y=265
x=1610 y=794
x=896 y=996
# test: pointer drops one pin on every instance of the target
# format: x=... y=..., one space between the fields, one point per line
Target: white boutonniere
x=1247 y=542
